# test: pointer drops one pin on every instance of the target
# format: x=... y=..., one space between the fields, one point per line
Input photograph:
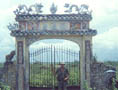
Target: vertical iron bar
x=33 y=67
x=72 y=63
x=69 y=65
x=50 y=64
x=47 y=64
x=79 y=68
x=41 y=65
x=74 y=67
x=36 y=68
x=29 y=68
x=67 y=60
x=54 y=64
x=62 y=54
x=30 y=58
x=59 y=54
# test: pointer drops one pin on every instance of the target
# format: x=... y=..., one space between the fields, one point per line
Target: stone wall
x=1 y=74
x=10 y=75
x=100 y=79
x=8 y=72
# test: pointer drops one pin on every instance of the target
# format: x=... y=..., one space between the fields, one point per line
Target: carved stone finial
x=82 y=9
x=12 y=27
x=38 y=8
x=67 y=6
x=23 y=9
x=70 y=7
x=53 y=9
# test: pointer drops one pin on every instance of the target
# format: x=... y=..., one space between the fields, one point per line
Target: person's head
x=62 y=64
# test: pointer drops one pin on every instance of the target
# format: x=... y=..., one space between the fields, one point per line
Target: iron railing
x=44 y=59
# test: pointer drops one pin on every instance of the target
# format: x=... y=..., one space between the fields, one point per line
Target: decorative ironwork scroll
x=20 y=56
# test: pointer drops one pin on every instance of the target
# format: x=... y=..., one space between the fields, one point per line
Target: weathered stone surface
x=10 y=56
x=100 y=79
x=8 y=72
x=10 y=75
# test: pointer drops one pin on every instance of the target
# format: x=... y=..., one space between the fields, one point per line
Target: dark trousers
x=62 y=85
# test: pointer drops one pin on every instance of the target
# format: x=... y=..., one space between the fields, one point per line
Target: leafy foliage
x=4 y=87
x=86 y=87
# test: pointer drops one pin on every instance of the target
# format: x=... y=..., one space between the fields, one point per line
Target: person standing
x=62 y=76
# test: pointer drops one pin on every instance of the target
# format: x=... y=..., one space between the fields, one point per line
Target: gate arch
x=73 y=27
x=50 y=56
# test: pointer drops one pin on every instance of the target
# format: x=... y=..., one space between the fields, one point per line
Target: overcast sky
x=105 y=21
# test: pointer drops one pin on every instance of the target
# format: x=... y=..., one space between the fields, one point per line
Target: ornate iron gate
x=44 y=59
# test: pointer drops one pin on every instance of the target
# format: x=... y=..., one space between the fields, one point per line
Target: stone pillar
x=26 y=64
x=85 y=57
x=20 y=65
x=88 y=55
x=82 y=64
x=22 y=76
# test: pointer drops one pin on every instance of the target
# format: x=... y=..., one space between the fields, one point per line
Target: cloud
x=105 y=45
x=107 y=39
x=104 y=14
x=57 y=43
x=104 y=19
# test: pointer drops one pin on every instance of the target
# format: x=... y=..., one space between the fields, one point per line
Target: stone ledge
x=46 y=17
x=19 y=33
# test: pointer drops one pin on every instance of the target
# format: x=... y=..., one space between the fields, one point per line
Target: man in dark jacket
x=62 y=75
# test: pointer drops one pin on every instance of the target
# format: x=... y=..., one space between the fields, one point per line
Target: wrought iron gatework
x=44 y=59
